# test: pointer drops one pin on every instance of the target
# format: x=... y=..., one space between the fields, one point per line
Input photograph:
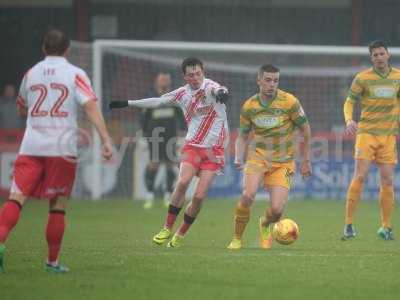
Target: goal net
x=318 y=75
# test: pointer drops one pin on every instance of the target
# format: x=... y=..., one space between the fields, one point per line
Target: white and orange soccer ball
x=285 y=232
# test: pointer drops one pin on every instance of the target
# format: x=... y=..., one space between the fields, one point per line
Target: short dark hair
x=55 y=42
x=268 y=68
x=191 y=61
x=377 y=44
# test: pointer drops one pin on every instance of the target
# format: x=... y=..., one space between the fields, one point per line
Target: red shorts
x=203 y=158
x=43 y=177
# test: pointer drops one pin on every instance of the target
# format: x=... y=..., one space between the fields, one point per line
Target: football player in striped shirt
x=202 y=102
x=267 y=123
x=377 y=90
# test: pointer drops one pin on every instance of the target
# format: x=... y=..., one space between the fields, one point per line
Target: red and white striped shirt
x=205 y=117
x=51 y=92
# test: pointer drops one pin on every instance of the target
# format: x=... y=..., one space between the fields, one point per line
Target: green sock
x=2 y=251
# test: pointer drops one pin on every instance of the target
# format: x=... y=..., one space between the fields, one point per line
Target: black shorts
x=162 y=151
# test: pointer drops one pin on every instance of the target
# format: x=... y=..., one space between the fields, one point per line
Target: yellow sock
x=242 y=216
x=386 y=200
x=353 y=196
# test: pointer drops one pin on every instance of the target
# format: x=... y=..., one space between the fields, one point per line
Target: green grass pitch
x=108 y=248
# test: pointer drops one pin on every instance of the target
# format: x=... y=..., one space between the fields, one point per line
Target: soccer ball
x=285 y=231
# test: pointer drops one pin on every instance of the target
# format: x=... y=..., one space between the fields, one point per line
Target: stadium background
x=320 y=81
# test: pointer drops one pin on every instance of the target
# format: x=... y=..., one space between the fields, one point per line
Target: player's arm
x=22 y=109
x=351 y=125
x=86 y=97
x=96 y=118
x=164 y=100
x=241 y=145
x=353 y=95
x=243 y=139
x=348 y=109
x=305 y=168
x=299 y=118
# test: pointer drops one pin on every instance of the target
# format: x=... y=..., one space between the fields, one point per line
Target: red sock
x=173 y=213
x=54 y=233
x=187 y=221
x=9 y=216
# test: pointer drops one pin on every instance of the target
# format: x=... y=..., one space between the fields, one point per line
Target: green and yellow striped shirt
x=273 y=124
x=379 y=98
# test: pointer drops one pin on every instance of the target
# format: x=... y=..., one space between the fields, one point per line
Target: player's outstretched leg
x=187 y=171
x=205 y=179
